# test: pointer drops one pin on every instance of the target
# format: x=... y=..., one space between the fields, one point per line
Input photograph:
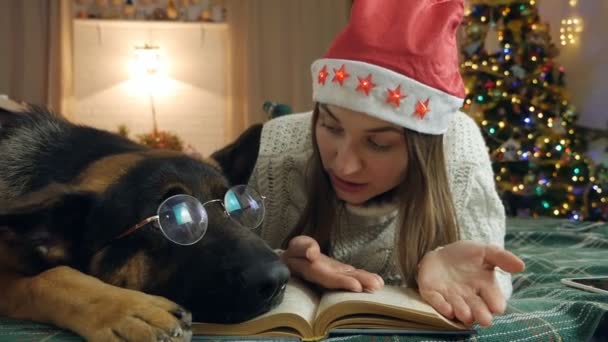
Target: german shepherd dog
x=68 y=191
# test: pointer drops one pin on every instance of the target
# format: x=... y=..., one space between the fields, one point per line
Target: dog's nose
x=265 y=280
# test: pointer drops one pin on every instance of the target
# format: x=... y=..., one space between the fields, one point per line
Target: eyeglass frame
x=155 y=220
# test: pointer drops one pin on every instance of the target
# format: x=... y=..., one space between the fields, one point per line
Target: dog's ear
x=41 y=229
x=53 y=208
x=238 y=159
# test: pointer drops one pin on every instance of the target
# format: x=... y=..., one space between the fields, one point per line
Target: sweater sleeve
x=480 y=212
x=279 y=174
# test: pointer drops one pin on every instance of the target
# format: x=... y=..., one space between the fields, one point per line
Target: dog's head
x=229 y=275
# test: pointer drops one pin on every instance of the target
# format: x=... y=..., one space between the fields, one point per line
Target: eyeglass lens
x=183 y=219
x=245 y=206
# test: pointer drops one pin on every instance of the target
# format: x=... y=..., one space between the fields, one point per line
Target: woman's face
x=364 y=156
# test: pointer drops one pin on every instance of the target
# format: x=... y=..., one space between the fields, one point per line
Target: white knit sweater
x=366 y=239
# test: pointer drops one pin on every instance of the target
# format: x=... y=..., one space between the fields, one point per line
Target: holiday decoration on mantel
x=173 y=10
x=516 y=92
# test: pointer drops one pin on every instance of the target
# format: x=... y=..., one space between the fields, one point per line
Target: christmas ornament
x=172 y=12
x=557 y=127
x=518 y=71
x=508 y=150
x=492 y=43
x=129 y=10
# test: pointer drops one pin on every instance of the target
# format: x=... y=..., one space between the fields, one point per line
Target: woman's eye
x=379 y=146
x=332 y=129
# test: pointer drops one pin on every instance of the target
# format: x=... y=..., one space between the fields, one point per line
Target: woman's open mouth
x=346 y=186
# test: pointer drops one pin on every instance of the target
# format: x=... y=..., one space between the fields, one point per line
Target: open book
x=308 y=315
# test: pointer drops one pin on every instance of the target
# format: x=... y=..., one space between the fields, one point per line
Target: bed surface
x=541 y=308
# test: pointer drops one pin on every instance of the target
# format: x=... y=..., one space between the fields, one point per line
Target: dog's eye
x=219 y=193
x=175 y=190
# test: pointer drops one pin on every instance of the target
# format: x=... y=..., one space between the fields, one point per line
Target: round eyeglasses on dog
x=183 y=219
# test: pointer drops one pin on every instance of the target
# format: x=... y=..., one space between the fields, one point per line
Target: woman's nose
x=347 y=161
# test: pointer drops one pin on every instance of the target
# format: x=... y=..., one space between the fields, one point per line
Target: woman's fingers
x=494 y=299
x=462 y=311
x=504 y=259
x=479 y=310
x=436 y=300
x=303 y=247
x=324 y=276
x=369 y=281
x=379 y=280
x=467 y=309
x=322 y=273
x=342 y=281
x=304 y=258
x=313 y=252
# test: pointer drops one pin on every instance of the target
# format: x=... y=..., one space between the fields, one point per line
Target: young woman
x=386 y=181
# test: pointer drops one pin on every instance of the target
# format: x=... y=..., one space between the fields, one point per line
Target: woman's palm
x=459 y=280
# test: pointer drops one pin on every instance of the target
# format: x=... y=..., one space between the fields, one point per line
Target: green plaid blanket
x=541 y=308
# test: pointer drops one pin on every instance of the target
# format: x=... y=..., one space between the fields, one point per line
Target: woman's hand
x=459 y=282
x=304 y=258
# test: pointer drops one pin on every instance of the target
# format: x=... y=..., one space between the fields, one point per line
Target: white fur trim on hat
x=440 y=109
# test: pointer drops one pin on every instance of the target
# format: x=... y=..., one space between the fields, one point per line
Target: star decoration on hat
x=422 y=108
x=322 y=75
x=366 y=84
x=395 y=96
x=340 y=75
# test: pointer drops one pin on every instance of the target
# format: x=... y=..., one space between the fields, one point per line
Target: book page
x=394 y=301
x=299 y=300
x=402 y=297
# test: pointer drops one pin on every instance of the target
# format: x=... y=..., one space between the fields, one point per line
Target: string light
x=571 y=27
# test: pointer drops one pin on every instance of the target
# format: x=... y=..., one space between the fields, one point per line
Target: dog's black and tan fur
x=66 y=193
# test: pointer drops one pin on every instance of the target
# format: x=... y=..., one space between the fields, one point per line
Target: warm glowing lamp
x=146 y=68
x=149 y=74
x=147 y=60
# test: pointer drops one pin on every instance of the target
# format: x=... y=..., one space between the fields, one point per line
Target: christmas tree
x=516 y=92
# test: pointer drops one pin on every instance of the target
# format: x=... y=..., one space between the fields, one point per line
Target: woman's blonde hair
x=426 y=212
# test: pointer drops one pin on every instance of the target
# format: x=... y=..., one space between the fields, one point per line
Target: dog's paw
x=126 y=315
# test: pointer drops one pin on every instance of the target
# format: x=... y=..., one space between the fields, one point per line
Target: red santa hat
x=397 y=60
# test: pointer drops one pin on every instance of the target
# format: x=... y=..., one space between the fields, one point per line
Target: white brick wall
x=193 y=101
